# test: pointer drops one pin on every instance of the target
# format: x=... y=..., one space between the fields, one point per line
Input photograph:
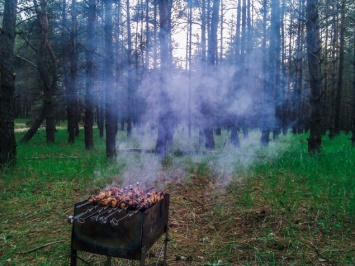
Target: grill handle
x=70 y=219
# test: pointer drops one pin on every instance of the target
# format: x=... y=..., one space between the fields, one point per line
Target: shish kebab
x=126 y=198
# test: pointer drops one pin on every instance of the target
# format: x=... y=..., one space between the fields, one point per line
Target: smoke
x=224 y=164
x=219 y=97
x=210 y=95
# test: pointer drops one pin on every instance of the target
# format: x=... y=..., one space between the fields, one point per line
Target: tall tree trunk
x=283 y=82
x=129 y=71
x=211 y=61
x=110 y=114
x=234 y=129
x=266 y=123
x=353 y=95
x=204 y=27
x=48 y=75
x=237 y=33
x=90 y=76
x=119 y=61
x=297 y=95
x=334 y=66
x=289 y=73
x=189 y=49
x=246 y=50
x=315 y=78
x=221 y=32
x=7 y=85
x=170 y=47
x=155 y=45
x=100 y=109
x=203 y=31
x=338 y=98
x=325 y=99
x=65 y=53
x=264 y=139
x=166 y=120
x=275 y=44
x=72 y=84
x=147 y=34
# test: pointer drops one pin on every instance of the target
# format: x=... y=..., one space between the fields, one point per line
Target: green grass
x=311 y=197
x=264 y=206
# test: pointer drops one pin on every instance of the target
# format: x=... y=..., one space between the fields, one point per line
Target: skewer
x=84 y=204
x=114 y=222
x=136 y=211
x=83 y=213
x=82 y=220
x=96 y=217
x=104 y=219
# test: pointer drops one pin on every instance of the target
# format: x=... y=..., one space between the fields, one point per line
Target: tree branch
x=26 y=60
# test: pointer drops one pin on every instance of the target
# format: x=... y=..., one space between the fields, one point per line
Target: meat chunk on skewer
x=132 y=198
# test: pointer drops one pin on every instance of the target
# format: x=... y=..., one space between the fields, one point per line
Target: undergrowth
x=247 y=206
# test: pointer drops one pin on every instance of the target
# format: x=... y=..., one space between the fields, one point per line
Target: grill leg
x=73 y=256
x=108 y=261
x=143 y=253
x=165 y=247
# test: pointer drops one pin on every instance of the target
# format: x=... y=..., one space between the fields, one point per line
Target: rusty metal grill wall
x=131 y=238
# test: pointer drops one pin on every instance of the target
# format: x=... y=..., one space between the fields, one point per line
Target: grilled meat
x=131 y=198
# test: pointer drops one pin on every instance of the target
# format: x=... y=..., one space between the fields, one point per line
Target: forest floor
x=272 y=215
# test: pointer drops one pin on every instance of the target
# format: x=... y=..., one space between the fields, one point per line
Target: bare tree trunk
x=234 y=129
x=353 y=95
x=166 y=120
x=211 y=61
x=203 y=31
x=315 y=78
x=271 y=83
x=90 y=79
x=283 y=82
x=247 y=47
x=297 y=95
x=275 y=44
x=221 y=33
x=147 y=34
x=189 y=49
x=72 y=84
x=265 y=131
x=65 y=52
x=335 y=72
x=100 y=108
x=289 y=74
x=129 y=72
x=48 y=75
x=338 y=99
x=7 y=85
x=155 y=46
x=110 y=114
x=237 y=33
x=325 y=99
